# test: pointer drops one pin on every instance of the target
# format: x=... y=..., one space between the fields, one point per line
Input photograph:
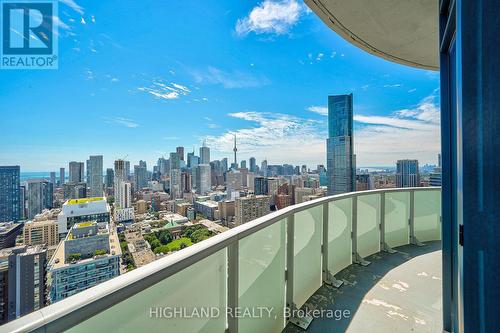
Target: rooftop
x=83 y=200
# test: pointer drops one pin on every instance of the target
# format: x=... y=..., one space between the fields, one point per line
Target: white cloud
x=322 y=110
x=92 y=18
x=122 y=121
x=412 y=90
x=279 y=137
x=229 y=79
x=165 y=91
x=213 y=126
x=76 y=7
x=82 y=21
x=273 y=17
x=60 y=23
x=407 y=133
x=397 y=85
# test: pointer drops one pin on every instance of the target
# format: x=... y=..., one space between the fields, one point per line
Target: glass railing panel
x=397 y=214
x=308 y=227
x=427 y=215
x=368 y=228
x=262 y=278
x=199 y=286
x=339 y=235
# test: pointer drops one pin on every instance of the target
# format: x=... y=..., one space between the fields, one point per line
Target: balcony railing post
x=383 y=245
x=413 y=238
x=300 y=321
x=328 y=277
x=232 y=286
x=356 y=258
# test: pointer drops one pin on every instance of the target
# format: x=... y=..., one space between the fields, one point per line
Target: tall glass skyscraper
x=10 y=196
x=341 y=164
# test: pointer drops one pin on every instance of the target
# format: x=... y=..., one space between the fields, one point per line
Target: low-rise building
x=8 y=233
x=206 y=208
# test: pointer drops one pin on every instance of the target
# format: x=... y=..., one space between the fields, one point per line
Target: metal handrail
x=88 y=303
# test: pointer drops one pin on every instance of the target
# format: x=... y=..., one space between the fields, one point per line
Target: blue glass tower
x=10 y=195
x=341 y=165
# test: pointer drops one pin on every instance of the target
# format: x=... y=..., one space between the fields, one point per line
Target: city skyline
x=131 y=93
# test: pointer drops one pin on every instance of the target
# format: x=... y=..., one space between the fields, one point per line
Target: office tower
x=120 y=177
x=8 y=233
x=22 y=281
x=287 y=169
x=204 y=154
x=94 y=181
x=43 y=232
x=62 y=176
x=189 y=157
x=407 y=173
x=53 y=178
x=180 y=153
x=22 y=201
x=126 y=195
x=140 y=177
x=11 y=206
x=341 y=165
x=261 y=186
x=250 y=207
x=83 y=210
x=252 y=164
x=263 y=168
x=40 y=196
x=76 y=172
x=87 y=248
x=203 y=179
x=243 y=164
x=224 y=165
x=110 y=176
x=175 y=176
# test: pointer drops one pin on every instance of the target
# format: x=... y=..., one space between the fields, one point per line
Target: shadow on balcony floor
x=398 y=292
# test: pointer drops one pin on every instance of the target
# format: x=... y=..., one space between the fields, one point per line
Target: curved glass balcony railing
x=273 y=263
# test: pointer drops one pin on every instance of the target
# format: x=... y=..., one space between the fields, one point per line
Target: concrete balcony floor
x=399 y=292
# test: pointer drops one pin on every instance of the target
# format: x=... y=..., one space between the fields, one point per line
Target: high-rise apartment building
x=22 y=281
x=8 y=233
x=53 y=178
x=341 y=164
x=263 y=168
x=407 y=173
x=62 y=176
x=251 y=207
x=11 y=207
x=89 y=255
x=120 y=177
x=110 y=177
x=95 y=177
x=76 y=172
x=40 y=196
x=260 y=186
x=140 y=177
x=203 y=179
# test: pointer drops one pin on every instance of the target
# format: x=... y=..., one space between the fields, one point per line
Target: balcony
x=336 y=252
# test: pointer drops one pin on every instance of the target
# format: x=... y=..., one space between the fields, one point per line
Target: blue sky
x=138 y=78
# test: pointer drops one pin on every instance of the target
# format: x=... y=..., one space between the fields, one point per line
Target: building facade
x=251 y=207
x=341 y=165
x=11 y=206
x=407 y=173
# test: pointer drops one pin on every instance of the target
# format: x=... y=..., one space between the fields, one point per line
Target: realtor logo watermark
x=29 y=34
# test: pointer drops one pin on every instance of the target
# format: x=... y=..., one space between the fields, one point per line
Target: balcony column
x=383 y=245
x=328 y=277
x=356 y=258
x=232 y=285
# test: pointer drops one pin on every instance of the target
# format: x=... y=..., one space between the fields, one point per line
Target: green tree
x=164 y=236
x=154 y=244
x=200 y=234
